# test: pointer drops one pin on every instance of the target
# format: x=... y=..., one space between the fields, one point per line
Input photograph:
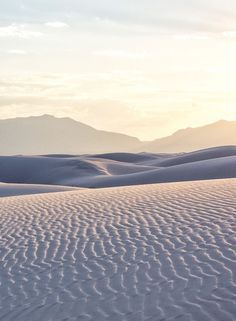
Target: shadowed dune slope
x=151 y=252
x=27 y=189
x=119 y=169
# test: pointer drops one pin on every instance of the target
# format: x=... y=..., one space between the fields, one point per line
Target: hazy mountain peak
x=47 y=134
x=219 y=133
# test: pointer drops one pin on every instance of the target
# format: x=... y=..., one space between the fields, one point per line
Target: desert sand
x=119 y=169
x=147 y=252
x=28 y=189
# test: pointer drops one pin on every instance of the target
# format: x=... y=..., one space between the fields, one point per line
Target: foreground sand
x=150 y=252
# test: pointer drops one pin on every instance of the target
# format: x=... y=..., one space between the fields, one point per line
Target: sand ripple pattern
x=154 y=252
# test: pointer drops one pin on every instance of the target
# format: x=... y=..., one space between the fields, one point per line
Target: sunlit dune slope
x=150 y=252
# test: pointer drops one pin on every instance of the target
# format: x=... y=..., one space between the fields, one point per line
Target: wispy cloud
x=122 y=54
x=17 y=52
x=56 y=24
x=230 y=34
x=18 y=31
x=135 y=59
x=191 y=36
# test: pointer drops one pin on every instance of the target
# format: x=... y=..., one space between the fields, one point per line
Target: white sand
x=151 y=252
x=26 y=189
x=119 y=169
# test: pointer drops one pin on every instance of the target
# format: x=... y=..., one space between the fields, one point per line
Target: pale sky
x=141 y=67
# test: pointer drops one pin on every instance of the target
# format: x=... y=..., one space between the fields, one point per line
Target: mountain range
x=50 y=135
x=186 y=140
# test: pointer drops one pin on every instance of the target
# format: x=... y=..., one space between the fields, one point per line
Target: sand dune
x=129 y=157
x=199 y=155
x=26 y=189
x=201 y=170
x=119 y=169
x=151 y=252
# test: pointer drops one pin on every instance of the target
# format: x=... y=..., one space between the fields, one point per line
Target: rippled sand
x=150 y=252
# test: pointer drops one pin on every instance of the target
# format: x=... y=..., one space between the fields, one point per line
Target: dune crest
x=28 y=189
x=119 y=169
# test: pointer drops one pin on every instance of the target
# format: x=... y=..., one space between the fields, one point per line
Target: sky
x=142 y=67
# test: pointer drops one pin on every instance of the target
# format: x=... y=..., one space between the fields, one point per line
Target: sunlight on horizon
x=144 y=68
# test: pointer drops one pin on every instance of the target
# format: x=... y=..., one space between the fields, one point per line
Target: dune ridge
x=28 y=189
x=150 y=252
x=119 y=169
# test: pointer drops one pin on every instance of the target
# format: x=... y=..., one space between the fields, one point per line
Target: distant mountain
x=186 y=140
x=50 y=135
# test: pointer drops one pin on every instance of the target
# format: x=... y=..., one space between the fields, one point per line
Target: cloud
x=122 y=54
x=17 y=52
x=56 y=24
x=134 y=16
x=18 y=31
x=191 y=36
x=229 y=34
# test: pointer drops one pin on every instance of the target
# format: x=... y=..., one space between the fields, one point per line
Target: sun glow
x=145 y=73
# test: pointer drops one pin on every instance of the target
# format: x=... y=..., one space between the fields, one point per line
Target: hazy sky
x=142 y=67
